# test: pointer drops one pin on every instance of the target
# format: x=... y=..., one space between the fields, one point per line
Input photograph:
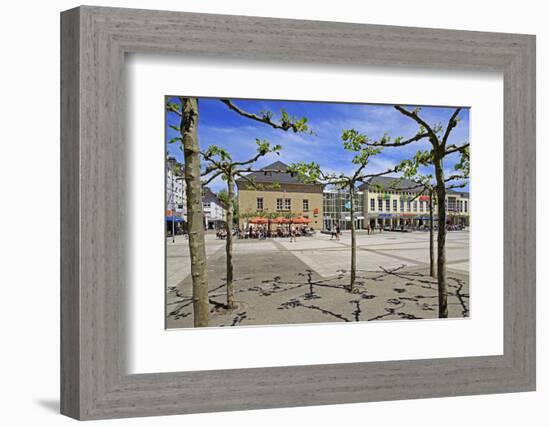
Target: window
x=206 y=204
x=260 y=203
x=305 y=205
x=421 y=206
x=408 y=206
x=465 y=206
x=372 y=204
x=287 y=204
x=387 y=205
x=415 y=206
x=402 y=206
x=279 y=204
x=395 y=205
x=380 y=205
x=451 y=206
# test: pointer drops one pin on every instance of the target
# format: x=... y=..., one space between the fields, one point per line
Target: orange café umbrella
x=301 y=220
x=258 y=220
x=280 y=220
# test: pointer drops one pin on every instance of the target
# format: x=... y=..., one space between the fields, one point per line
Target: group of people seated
x=221 y=234
x=263 y=232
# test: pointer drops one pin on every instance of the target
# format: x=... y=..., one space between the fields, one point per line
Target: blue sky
x=220 y=126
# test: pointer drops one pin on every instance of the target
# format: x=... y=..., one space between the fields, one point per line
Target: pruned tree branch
x=212 y=178
x=455 y=177
x=266 y=118
x=453 y=148
x=249 y=161
x=173 y=109
x=414 y=115
x=398 y=142
x=363 y=178
x=450 y=126
x=246 y=178
x=458 y=185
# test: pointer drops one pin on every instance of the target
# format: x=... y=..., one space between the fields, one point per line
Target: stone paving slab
x=309 y=243
x=328 y=263
x=177 y=258
x=255 y=247
x=421 y=255
x=459 y=266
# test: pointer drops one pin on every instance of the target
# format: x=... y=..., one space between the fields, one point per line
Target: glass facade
x=337 y=209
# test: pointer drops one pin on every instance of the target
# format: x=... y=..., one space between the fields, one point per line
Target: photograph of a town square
x=298 y=212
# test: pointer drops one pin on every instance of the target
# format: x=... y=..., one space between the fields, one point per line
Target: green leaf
x=172 y=106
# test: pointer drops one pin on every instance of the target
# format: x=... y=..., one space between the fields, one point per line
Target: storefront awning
x=175 y=219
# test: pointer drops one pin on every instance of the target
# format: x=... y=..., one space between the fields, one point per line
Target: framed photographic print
x=281 y=213
x=293 y=241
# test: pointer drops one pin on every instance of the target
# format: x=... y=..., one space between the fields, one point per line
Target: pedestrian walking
x=338 y=232
x=292 y=234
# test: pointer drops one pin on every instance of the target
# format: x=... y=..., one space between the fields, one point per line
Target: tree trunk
x=191 y=151
x=229 y=245
x=353 y=243
x=441 y=237
x=432 y=260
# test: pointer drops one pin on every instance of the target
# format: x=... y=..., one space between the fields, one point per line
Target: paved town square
x=279 y=282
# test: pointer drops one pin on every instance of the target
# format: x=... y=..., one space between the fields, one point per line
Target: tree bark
x=229 y=244
x=191 y=151
x=432 y=260
x=441 y=237
x=353 y=243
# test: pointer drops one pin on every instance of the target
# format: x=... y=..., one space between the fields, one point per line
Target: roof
x=208 y=196
x=172 y=164
x=268 y=174
x=386 y=183
x=402 y=184
x=463 y=194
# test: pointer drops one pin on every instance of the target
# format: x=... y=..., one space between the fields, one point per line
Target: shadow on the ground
x=51 y=405
x=409 y=294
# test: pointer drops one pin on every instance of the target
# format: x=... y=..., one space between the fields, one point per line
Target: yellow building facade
x=279 y=194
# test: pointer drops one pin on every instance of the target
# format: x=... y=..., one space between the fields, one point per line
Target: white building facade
x=176 y=203
x=213 y=209
x=394 y=204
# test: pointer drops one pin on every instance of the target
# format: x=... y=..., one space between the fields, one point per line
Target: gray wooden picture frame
x=94 y=381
